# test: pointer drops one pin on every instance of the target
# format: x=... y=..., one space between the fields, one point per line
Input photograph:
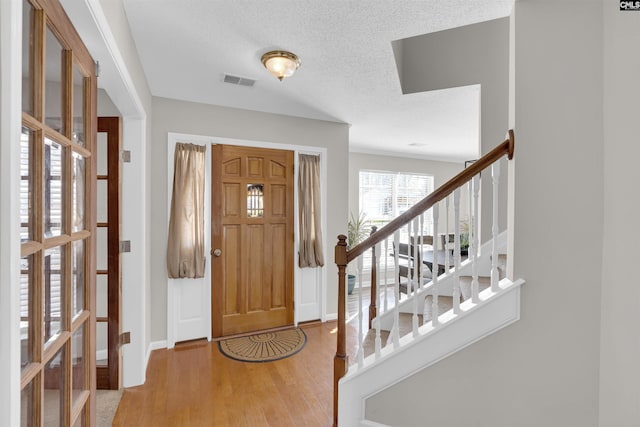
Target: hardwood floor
x=195 y=385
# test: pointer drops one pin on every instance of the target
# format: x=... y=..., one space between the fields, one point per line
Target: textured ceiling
x=348 y=71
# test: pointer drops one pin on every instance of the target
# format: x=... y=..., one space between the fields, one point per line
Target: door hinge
x=97 y=68
x=125 y=338
x=125 y=246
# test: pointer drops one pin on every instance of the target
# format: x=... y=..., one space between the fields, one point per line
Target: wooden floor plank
x=197 y=386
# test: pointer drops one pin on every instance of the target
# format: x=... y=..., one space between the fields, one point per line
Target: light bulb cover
x=280 y=63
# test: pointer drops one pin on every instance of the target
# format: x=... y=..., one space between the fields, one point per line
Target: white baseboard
x=330 y=316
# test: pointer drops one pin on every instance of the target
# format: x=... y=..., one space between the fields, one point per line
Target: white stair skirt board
x=495 y=311
x=446 y=281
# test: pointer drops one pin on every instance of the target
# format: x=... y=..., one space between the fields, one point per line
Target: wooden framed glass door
x=108 y=295
x=57 y=212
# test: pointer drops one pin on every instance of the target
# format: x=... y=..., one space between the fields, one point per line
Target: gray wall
x=473 y=54
x=620 y=341
x=200 y=119
x=544 y=369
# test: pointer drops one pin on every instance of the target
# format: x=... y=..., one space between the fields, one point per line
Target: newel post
x=340 y=361
x=373 y=309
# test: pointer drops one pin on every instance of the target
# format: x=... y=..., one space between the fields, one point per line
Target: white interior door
x=188 y=300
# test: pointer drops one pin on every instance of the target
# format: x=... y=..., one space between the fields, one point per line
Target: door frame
x=91 y=23
x=319 y=274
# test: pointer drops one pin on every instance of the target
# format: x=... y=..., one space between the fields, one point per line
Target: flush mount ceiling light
x=280 y=63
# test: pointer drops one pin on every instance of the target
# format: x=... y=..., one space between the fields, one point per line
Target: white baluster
x=417 y=260
x=409 y=261
x=474 y=251
x=420 y=250
x=434 y=268
x=386 y=272
x=360 y=355
x=447 y=267
x=394 y=335
x=378 y=338
x=456 y=251
x=495 y=175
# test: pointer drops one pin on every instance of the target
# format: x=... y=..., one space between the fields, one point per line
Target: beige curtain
x=309 y=212
x=185 y=248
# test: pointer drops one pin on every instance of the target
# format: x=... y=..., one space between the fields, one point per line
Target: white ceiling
x=348 y=72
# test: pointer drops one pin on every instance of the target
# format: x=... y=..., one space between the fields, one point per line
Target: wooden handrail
x=505 y=148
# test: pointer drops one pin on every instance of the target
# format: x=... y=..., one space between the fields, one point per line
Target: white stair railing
x=411 y=225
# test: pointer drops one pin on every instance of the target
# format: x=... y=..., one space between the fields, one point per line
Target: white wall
x=10 y=108
x=208 y=120
x=544 y=369
x=620 y=340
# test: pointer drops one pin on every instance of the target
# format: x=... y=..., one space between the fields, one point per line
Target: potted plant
x=357 y=230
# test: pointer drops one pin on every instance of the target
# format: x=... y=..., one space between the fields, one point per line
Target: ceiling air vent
x=240 y=81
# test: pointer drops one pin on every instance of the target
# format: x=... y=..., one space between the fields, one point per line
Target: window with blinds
x=384 y=195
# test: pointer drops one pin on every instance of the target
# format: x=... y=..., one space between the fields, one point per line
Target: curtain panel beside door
x=309 y=212
x=185 y=246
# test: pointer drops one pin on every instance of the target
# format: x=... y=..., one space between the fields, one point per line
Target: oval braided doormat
x=264 y=347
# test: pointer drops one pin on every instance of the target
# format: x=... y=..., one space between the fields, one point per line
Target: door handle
x=217 y=252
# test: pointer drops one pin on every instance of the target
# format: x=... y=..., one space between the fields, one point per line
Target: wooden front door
x=252 y=239
x=108 y=274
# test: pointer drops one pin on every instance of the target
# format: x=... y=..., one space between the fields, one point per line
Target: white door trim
x=10 y=124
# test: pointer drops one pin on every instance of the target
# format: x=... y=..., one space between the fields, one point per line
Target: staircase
x=472 y=297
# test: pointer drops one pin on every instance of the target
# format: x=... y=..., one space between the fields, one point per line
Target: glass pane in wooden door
x=54 y=387
x=77 y=276
x=101 y=198
x=27 y=57
x=53 y=281
x=102 y=148
x=54 y=90
x=80 y=421
x=77 y=193
x=53 y=180
x=78 y=364
x=77 y=133
x=102 y=312
x=27 y=406
x=26 y=292
x=26 y=184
